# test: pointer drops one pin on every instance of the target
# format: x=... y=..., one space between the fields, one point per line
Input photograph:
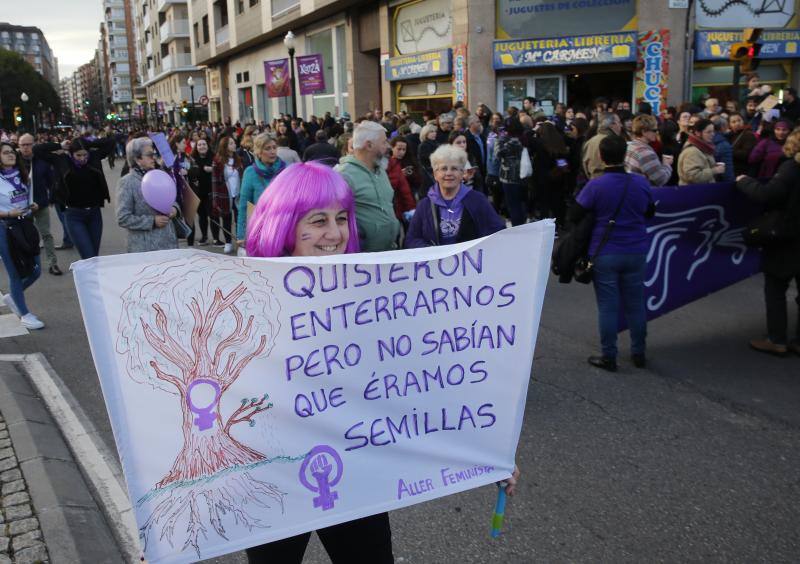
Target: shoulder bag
x=584 y=267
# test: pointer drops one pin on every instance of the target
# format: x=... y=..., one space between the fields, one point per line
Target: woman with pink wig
x=308 y=210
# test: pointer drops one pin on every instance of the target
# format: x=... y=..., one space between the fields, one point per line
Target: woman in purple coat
x=768 y=153
x=452 y=212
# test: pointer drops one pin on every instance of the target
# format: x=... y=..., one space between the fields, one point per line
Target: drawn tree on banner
x=187 y=324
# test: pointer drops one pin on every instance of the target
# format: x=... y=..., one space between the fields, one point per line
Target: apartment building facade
x=165 y=60
x=30 y=42
x=415 y=55
x=233 y=39
x=120 y=54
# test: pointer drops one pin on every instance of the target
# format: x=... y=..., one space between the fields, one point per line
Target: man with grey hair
x=43 y=180
x=476 y=144
x=445 y=127
x=608 y=124
x=365 y=173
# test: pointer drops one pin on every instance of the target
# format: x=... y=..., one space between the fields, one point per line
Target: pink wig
x=297 y=190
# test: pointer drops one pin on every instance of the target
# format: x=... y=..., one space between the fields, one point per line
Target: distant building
x=165 y=58
x=30 y=42
x=119 y=54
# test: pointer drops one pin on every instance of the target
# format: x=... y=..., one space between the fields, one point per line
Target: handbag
x=525 y=165
x=182 y=229
x=23 y=244
x=583 y=271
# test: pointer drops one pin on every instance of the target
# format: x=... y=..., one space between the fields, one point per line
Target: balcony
x=114 y=4
x=175 y=62
x=221 y=35
x=162 y=5
x=115 y=15
x=174 y=29
x=118 y=57
x=148 y=47
x=151 y=73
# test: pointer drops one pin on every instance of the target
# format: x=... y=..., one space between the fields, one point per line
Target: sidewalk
x=21 y=538
x=48 y=513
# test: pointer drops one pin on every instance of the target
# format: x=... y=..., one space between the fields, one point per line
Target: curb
x=75 y=529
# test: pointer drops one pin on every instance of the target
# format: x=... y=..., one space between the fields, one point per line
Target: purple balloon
x=159 y=190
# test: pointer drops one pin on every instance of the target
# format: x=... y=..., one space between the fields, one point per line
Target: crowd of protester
x=388 y=180
x=471 y=173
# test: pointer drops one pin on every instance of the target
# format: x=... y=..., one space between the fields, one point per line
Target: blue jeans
x=514 y=196
x=16 y=285
x=66 y=241
x=622 y=276
x=85 y=228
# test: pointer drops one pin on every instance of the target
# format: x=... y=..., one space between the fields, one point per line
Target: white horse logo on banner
x=708 y=222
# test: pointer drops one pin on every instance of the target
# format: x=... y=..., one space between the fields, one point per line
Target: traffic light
x=746 y=51
x=17 y=115
x=184 y=107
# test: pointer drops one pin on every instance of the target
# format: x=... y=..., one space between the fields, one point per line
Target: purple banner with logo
x=276 y=75
x=310 y=74
x=696 y=245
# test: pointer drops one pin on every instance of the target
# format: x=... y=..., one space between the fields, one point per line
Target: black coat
x=79 y=188
x=781 y=192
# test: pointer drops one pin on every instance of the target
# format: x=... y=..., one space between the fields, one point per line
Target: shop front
x=420 y=71
x=713 y=71
x=569 y=52
x=423 y=81
x=575 y=70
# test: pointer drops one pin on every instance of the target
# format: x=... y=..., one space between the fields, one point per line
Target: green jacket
x=378 y=228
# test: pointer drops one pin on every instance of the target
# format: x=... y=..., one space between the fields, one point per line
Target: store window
x=246 y=105
x=322 y=43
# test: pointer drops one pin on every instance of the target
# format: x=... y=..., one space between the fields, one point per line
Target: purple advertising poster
x=310 y=75
x=276 y=75
x=696 y=244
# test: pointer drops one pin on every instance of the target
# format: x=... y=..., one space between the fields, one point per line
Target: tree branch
x=234 y=373
x=244 y=413
x=161 y=375
x=178 y=358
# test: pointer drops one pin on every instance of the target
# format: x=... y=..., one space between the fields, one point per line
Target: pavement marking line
x=97 y=464
x=10 y=326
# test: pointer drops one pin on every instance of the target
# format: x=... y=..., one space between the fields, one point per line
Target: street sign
x=203 y=100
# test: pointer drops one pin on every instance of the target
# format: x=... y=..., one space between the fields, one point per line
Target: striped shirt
x=642 y=159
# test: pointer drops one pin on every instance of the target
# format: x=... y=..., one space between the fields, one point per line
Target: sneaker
x=228 y=249
x=768 y=347
x=218 y=243
x=63 y=247
x=602 y=362
x=30 y=321
x=202 y=243
x=55 y=271
x=9 y=301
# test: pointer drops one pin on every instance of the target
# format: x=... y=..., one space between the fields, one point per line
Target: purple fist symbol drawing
x=322 y=461
x=205 y=415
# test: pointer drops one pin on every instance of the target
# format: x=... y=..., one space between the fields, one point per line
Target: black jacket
x=75 y=187
x=782 y=192
x=43 y=178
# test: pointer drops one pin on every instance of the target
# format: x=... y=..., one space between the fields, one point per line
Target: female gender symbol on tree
x=234 y=320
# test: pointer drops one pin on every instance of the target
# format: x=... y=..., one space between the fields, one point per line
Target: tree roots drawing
x=187 y=515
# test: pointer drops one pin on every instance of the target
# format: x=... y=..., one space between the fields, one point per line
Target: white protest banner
x=256 y=399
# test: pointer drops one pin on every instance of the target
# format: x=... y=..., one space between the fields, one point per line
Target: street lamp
x=190 y=82
x=289 y=42
x=24 y=97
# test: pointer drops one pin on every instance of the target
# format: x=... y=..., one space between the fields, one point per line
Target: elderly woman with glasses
x=640 y=158
x=148 y=229
x=452 y=212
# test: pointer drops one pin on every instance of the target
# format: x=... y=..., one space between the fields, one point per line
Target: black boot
x=639 y=360
x=603 y=362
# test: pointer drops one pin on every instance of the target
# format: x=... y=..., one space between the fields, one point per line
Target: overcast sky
x=72 y=27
